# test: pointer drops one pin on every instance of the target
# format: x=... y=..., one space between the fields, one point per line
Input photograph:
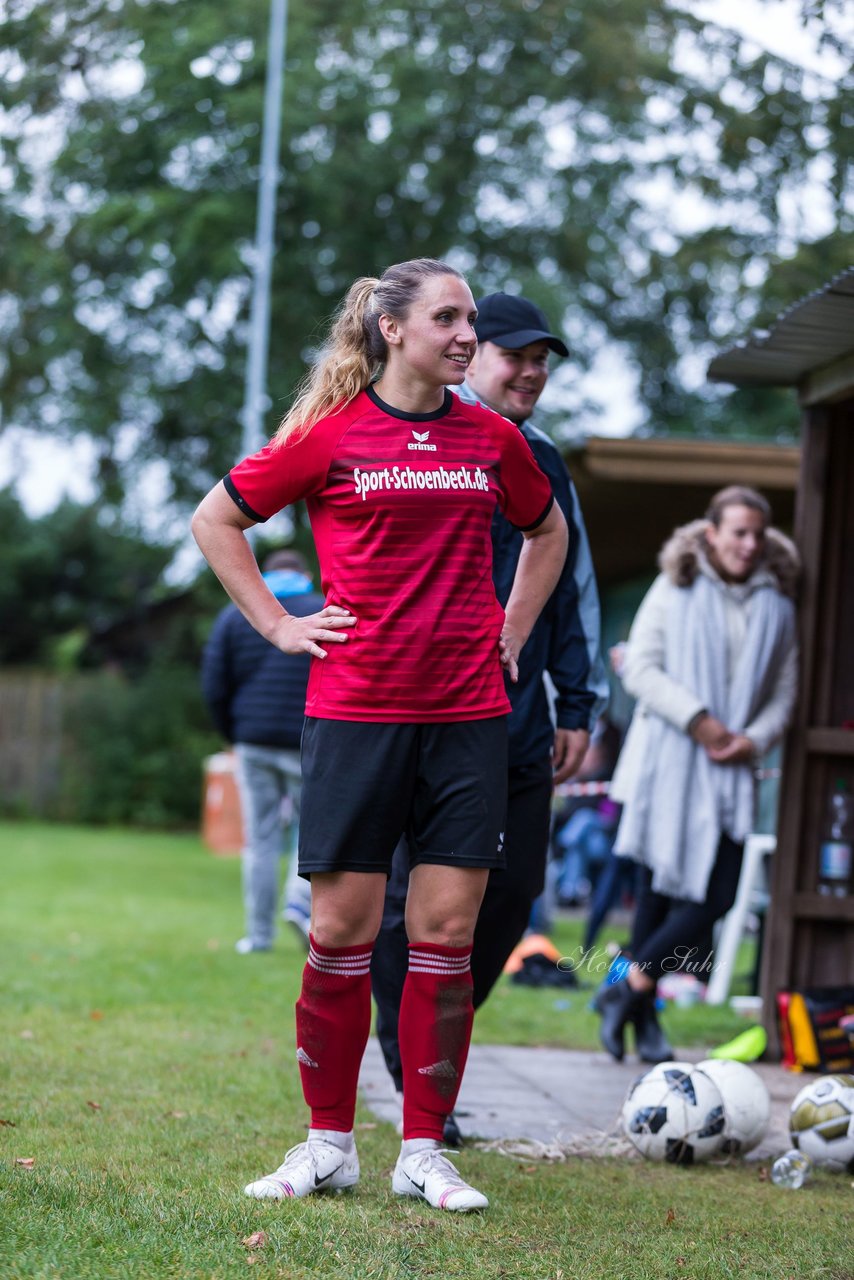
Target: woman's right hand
x=739 y=750
x=305 y=635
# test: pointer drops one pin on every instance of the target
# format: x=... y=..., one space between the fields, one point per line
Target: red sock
x=333 y=1022
x=434 y=1031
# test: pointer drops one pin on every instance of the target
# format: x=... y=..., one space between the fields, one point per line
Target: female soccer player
x=406 y=710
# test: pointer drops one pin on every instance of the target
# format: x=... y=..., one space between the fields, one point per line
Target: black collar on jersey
x=411 y=417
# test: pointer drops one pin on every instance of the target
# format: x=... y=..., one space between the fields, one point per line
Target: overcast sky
x=45 y=470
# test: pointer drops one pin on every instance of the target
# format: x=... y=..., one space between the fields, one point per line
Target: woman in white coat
x=712 y=661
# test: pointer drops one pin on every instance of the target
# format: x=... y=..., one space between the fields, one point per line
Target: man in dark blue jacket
x=550 y=726
x=256 y=696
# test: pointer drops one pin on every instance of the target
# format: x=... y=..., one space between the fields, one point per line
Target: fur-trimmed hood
x=683 y=556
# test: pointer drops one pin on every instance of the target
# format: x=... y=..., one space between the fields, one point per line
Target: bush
x=134 y=748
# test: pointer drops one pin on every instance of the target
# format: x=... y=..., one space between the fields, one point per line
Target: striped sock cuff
x=346 y=962
x=428 y=957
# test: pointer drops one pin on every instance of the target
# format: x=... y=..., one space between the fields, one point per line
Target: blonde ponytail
x=355 y=351
x=344 y=366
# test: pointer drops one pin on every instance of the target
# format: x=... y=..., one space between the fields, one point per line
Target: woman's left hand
x=739 y=750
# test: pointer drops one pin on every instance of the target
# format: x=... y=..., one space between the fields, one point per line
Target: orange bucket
x=222 y=823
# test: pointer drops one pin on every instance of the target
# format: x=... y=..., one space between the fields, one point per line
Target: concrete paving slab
x=558 y=1097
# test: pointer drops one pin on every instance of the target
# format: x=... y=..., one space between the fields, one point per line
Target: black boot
x=652 y=1043
x=451 y=1135
x=617 y=1004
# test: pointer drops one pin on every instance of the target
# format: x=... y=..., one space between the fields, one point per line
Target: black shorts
x=443 y=786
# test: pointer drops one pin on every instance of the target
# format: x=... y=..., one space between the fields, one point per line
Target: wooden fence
x=31 y=717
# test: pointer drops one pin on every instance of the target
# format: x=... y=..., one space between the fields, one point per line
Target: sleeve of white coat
x=643 y=674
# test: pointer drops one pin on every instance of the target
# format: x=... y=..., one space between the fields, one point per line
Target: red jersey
x=401 y=507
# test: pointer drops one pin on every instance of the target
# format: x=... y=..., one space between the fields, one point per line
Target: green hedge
x=133 y=748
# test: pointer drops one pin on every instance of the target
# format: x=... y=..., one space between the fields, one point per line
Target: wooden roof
x=635 y=491
x=810 y=346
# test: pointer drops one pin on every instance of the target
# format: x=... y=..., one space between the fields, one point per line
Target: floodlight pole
x=255 y=397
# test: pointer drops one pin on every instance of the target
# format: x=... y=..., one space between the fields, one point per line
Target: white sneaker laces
x=297 y=1158
x=435 y=1159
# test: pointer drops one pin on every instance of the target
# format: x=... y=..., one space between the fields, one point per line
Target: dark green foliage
x=78 y=592
x=134 y=748
x=526 y=140
x=67 y=576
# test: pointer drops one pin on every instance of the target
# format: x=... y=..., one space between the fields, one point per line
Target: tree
x=622 y=162
x=66 y=576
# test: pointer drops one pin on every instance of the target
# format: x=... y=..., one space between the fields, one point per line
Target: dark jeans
x=672 y=935
x=504 y=912
x=618 y=876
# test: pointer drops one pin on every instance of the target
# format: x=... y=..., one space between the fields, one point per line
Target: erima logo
x=500 y=842
x=443 y=1068
x=303 y=1057
x=421 y=438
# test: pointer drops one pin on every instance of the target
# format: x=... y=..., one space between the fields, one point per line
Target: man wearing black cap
x=508 y=374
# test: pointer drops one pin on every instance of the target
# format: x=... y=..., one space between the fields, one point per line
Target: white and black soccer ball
x=747 y=1106
x=674 y=1113
x=821 y=1122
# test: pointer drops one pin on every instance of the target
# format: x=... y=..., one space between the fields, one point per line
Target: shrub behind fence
x=104 y=747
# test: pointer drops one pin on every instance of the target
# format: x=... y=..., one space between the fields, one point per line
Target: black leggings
x=672 y=935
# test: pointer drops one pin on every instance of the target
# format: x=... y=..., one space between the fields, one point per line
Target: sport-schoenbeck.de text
x=387 y=478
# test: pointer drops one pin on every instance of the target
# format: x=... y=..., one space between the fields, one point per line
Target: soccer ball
x=821 y=1122
x=747 y=1107
x=674 y=1113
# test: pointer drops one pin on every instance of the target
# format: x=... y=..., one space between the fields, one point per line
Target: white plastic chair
x=751 y=884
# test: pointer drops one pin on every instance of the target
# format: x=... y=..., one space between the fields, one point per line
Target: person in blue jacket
x=547 y=742
x=256 y=698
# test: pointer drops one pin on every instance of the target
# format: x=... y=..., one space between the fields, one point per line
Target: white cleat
x=429 y=1176
x=308 y=1168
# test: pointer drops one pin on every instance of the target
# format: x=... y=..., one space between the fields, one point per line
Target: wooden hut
x=648 y=486
x=809 y=935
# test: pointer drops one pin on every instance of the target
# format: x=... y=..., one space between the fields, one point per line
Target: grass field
x=147 y=1072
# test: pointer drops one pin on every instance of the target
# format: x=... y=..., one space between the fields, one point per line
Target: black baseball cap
x=513 y=322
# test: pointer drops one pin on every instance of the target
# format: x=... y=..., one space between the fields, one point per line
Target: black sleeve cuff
x=526 y=528
x=233 y=492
